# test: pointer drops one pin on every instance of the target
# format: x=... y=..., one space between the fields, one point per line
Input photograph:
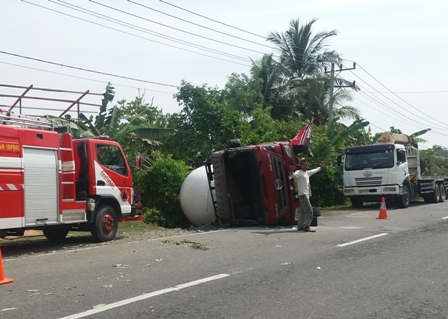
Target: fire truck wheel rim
x=107 y=224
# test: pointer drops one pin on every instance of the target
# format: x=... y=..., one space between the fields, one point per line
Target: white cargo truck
x=389 y=169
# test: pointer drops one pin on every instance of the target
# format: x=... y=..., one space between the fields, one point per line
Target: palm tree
x=303 y=60
x=268 y=73
x=302 y=54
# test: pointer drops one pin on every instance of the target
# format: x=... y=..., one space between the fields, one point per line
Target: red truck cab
x=253 y=184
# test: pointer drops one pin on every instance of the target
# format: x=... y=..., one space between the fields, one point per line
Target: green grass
x=136 y=226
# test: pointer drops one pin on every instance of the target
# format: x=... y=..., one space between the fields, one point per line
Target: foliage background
x=281 y=94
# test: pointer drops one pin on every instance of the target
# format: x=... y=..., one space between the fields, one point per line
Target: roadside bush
x=159 y=187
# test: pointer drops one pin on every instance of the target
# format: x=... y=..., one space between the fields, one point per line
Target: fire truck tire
x=55 y=234
x=106 y=224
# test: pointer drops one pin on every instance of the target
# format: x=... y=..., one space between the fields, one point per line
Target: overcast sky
x=400 y=48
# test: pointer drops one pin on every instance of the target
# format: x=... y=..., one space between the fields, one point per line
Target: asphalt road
x=353 y=266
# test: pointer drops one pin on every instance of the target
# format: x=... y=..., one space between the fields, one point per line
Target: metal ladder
x=210 y=174
x=25 y=121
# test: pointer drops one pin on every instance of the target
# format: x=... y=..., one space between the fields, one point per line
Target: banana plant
x=339 y=134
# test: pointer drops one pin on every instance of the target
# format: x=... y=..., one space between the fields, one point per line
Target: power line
x=83 y=78
x=86 y=70
x=399 y=119
x=413 y=92
x=444 y=127
x=134 y=35
x=370 y=123
x=399 y=96
x=135 y=27
x=177 y=29
x=200 y=25
x=202 y=16
x=387 y=108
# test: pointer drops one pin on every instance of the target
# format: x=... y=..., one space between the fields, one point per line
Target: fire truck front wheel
x=106 y=224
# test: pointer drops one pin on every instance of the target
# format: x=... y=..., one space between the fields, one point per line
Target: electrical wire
x=86 y=70
x=134 y=35
x=141 y=29
x=202 y=16
x=83 y=78
x=177 y=29
x=414 y=92
x=200 y=25
x=399 y=96
x=445 y=127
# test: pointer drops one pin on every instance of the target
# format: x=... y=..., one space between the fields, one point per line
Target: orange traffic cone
x=383 y=211
x=3 y=280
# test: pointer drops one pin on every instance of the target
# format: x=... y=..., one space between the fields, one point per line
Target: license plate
x=363 y=190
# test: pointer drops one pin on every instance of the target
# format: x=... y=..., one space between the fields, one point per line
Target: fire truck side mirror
x=138 y=162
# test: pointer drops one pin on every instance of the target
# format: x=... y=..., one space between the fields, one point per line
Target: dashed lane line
x=144 y=296
x=362 y=239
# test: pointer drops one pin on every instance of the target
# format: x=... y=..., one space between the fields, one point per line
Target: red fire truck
x=252 y=184
x=54 y=183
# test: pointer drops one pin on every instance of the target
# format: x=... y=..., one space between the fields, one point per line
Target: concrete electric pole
x=332 y=86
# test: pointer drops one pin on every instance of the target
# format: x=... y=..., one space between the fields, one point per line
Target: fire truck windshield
x=110 y=157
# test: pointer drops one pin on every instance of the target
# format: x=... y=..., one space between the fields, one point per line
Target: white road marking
x=446 y=217
x=144 y=296
x=362 y=239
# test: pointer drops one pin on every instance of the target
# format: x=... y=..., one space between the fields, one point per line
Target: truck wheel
x=403 y=200
x=105 y=225
x=442 y=193
x=356 y=203
x=435 y=195
x=55 y=234
x=223 y=222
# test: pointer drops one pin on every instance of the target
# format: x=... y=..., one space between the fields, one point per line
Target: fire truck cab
x=54 y=183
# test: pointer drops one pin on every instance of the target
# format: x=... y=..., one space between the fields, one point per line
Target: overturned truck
x=253 y=184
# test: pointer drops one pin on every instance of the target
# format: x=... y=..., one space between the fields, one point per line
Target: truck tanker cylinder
x=195 y=199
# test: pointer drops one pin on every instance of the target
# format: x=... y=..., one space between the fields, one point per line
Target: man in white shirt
x=302 y=182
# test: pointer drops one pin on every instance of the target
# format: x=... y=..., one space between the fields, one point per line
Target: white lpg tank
x=195 y=198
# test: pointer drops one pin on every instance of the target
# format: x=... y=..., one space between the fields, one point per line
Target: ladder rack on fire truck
x=26 y=121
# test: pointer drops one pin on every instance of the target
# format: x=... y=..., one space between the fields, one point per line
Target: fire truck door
x=41 y=186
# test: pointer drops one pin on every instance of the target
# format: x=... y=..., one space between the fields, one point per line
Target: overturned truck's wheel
x=55 y=234
x=105 y=225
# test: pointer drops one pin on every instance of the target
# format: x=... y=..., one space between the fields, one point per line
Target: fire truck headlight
x=390 y=189
x=349 y=191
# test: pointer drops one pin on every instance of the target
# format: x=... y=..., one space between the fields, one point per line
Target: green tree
x=302 y=54
x=160 y=189
x=303 y=84
x=205 y=123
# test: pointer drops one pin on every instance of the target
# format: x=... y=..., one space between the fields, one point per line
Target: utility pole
x=332 y=86
x=330 y=101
